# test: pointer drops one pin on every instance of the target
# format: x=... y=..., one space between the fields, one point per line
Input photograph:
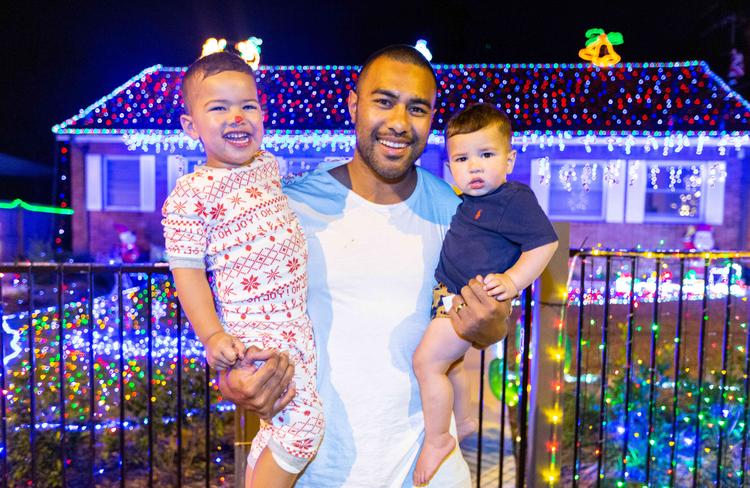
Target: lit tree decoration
x=250 y=51
x=599 y=48
x=421 y=46
x=213 y=45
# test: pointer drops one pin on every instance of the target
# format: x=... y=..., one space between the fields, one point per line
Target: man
x=374 y=227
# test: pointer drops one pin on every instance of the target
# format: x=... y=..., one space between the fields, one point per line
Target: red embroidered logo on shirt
x=478 y=214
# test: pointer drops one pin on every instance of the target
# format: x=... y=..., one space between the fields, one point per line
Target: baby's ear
x=186 y=121
x=511 y=160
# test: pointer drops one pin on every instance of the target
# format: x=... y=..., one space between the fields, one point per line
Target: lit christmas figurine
x=213 y=45
x=599 y=48
x=736 y=66
x=421 y=46
x=250 y=51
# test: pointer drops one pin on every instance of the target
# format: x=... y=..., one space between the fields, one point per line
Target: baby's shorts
x=294 y=434
x=441 y=301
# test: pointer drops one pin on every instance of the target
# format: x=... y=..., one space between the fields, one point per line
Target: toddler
x=229 y=218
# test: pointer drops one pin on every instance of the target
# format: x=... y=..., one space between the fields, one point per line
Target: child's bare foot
x=466 y=427
x=432 y=455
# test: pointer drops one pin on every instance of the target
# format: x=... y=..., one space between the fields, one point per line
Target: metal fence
x=104 y=383
x=658 y=372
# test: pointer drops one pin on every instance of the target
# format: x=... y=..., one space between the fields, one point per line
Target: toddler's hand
x=500 y=286
x=223 y=350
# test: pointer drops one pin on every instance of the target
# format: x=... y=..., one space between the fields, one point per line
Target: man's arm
x=479 y=318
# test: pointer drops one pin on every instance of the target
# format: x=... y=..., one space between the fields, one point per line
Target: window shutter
x=540 y=190
x=148 y=183
x=93 y=182
x=614 y=210
x=636 y=180
x=176 y=167
x=713 y=204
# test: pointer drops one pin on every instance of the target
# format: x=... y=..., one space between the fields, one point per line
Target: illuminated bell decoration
x=421 y=46
x=213 y=45
x=250 y=51
x=599 y=48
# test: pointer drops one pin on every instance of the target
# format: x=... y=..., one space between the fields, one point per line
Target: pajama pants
x=294 y=434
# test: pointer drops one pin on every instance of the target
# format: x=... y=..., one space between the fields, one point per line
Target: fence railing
x=103 y=382
x=657 y=378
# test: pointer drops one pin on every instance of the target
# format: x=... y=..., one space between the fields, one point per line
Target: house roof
x=634 y=99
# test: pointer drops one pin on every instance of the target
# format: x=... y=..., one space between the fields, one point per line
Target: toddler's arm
x=528 y=268
x=194 y=292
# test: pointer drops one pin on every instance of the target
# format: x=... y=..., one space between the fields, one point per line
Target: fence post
x=246 y=425
x=549 y=299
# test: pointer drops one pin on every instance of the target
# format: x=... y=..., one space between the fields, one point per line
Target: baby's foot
x=431 y=457
x=466 y=427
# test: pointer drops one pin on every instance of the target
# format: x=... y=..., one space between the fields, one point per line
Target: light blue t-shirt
x=371 y=272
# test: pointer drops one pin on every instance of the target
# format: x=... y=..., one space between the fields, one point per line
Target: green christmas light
x=35 y=208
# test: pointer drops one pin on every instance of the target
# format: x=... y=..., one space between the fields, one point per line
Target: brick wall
x=94 y=233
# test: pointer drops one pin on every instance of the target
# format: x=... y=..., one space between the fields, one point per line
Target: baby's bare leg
x=268 y=474
x=466 y=422
x=440 y=347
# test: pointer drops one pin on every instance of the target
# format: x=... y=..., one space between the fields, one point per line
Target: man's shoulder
x=438 y=187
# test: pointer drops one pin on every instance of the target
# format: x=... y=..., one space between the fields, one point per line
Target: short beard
x=387 y=172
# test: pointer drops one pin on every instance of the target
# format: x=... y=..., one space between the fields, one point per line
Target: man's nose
x=398 y=119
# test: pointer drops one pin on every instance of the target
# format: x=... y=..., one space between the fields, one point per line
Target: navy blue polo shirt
x=489 y=233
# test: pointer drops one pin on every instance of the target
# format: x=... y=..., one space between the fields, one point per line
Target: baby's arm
x=528 y=268
x=222 y=349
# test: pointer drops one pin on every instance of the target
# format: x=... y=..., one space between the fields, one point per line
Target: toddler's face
x=480 y=161
x=225 y=115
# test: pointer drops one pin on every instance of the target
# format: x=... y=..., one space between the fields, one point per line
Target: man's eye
x=418 y=110
x=383 y=102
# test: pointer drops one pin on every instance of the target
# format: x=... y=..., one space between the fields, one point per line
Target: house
x=631 y=155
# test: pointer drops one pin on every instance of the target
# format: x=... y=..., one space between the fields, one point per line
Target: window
x=674 y=192
x=576 y=190
x=121 y=181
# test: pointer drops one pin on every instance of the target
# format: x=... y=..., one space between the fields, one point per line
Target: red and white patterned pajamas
x=238 y=225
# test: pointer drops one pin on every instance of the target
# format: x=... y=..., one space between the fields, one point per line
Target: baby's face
x=225 y=115
x=480 y=161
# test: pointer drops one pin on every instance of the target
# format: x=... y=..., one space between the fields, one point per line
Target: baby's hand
x=500 y=286
x=223 y=350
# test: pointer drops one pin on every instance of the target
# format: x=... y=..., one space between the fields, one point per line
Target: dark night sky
x=60 y=56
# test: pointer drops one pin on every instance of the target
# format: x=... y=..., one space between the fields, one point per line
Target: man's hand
x=264 y=390
x=223 y=350
x=478 y=317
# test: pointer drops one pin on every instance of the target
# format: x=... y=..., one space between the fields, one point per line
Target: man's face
x=392 y=113
x=225 y=115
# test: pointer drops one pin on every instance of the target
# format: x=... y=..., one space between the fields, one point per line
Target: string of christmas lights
x=633 y=104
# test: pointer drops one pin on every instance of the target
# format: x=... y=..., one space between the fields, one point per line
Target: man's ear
x=352 y=102
x=511 y=160
x=186 y=121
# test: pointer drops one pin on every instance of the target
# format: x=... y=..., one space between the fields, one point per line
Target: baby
x=498 y=235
